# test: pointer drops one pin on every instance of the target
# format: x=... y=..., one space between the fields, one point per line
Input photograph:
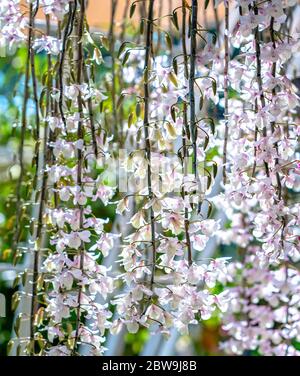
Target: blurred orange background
x=99 y=11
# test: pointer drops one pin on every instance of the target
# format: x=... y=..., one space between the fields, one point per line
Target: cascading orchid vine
x=156 y=104
x=73 y=269
x=173 y=199
x=70 y=270
x=263 y=173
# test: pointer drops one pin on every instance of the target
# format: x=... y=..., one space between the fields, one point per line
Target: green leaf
x=126 y=57
x=214 y=87
x=10 y=346
x=121 y=49
x=171 y=130
x=18 y=324
x=138 y=109
x=41 y=100
x=199 y=207
x=174 y=20
x=206 y=141
x=130 y=119
x=40 y=282
x=145 y=75
x=173 y=113
x=212 y=126
x=24 y=277
x=89 y=38
x=142 y=27
x=208 y=181
x=215 y=169
x=175 y=66
x=173 y=79
x=16 y=281
x=105 y=42
x=132 y=10
x=39 y=316
x=97 y=56
x=209 y=210
x=17 y=257
x=31 y=227
x=120 y=100
x=201 y=101
x=15 y=300
x=168 y=41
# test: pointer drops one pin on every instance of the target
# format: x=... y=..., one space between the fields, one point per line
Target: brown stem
x=80 y=136
x=91 y=114
x=226 y=114
x=147 y=64
x=67 y=33
x=23 y=131
x=120 y=71
x=111 y=34
x=159 y=34
x=279 y=186
x=193 y=125
x=36 y=100
x=55 y=112
x=216 y=15
x=42 y=202
x=35 y=270
x=185 y=135
x=124 y=21
x=259 y=78
x=170 y=12
x=255 y=140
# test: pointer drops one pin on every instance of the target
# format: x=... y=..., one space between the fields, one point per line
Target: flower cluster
x=262 y=174
x=12 y=24
x=56 y=8
x=165 y=284
x=75 y=283
x=263 y=313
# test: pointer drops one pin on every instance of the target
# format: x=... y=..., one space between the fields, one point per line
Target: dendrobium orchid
x=129 y=151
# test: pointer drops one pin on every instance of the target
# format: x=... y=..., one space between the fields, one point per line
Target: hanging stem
x=170 y=12
x=35 y=271
x=111 y=34
x=91 y=113
x=80 y=136
x=226 y=114
x=42 y=202
x=159 y=34
x=279 y=187
x=35 y=97
x=120 y=71
x=216 y=15
x=23 y=131
x=55 y=112
x=185 y=135
x=255 y=140
x=67 y=33
x=193 y=124
x=148 y=46
x=124 y=21
x=259 y=78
